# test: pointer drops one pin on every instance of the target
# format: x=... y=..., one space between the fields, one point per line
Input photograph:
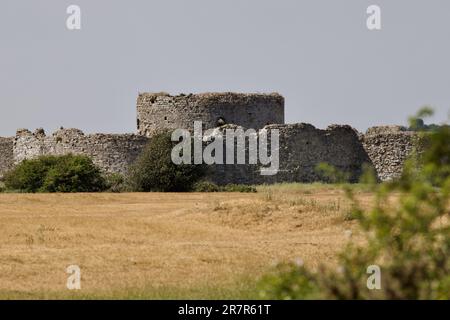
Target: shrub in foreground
x=115 y=182
x=155 y=171
x=67 y=173
x=207 y=186
x=408 y=240
x=238 y=188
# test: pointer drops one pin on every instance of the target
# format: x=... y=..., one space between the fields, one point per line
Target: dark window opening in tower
x=165 y=118
x=220 y=122
x=138 y=123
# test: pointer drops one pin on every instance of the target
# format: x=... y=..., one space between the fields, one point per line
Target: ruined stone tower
x=301 y=148
x=159 y=111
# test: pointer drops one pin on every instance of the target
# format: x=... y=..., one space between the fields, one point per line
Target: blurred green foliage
x=407 y=230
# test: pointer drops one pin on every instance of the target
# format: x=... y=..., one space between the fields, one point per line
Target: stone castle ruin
x=301 y=146
x=157 y=112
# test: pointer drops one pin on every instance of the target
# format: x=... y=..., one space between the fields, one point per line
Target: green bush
x=155 y=171
x=67 y=173
x=29 y=175
x=206 y=186
x=409 y=240
x=115 y=182
x=238 y=188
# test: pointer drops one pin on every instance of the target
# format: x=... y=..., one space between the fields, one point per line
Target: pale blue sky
x=318 y=54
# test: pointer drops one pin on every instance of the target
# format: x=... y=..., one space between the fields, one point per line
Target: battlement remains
x=111 y=152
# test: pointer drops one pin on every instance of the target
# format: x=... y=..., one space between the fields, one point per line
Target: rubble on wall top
x=308 y=126
x=291 y=127
x=71 y=132
x=206 y=94
x=341 y=127
x=39 y=132
x=389 y=129
x=213 y=97
x=300 y=125
x=23 y=132
x=68 y=132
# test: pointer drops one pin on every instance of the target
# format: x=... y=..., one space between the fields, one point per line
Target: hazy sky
x=318 y=54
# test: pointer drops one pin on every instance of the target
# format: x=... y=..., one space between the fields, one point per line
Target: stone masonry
x=388 y=147
x=162 y=111
x=302 y=146
x=111 y=152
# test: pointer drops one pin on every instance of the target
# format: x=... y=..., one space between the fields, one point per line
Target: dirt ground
x=164 y=245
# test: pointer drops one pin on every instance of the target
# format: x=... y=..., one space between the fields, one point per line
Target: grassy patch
x=244 y=290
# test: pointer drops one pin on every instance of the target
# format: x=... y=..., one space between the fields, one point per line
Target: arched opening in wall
x=165 y=118
x=138 y=123
x=220 y=122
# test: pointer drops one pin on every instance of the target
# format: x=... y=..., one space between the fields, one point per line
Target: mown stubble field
x=165 y=245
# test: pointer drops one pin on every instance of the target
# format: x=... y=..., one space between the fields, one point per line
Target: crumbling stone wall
x=111 y=152
x=301 y=148
x=161 y=111
x=6 y=154
x=388 y=147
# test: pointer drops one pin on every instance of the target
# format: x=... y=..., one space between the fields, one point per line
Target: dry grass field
x=165 y=245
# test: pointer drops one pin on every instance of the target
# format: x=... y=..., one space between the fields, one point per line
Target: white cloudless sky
x=318 y=54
